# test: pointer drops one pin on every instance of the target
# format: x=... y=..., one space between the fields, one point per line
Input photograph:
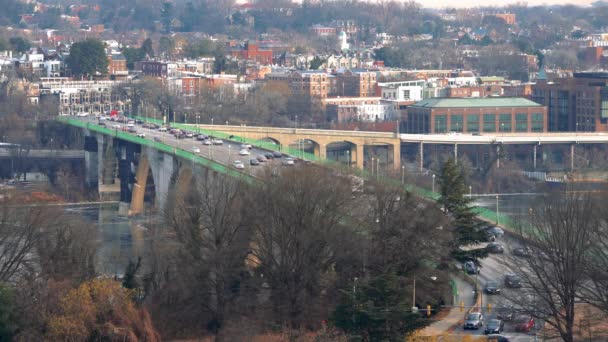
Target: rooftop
x=476 y=102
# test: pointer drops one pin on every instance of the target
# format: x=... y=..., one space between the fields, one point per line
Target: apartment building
x=356 y=82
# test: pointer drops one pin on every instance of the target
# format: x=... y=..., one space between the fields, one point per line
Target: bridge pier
x=163 y=168
x=91 y=162
x=139 y=187
x=421 y=155
x=358 y=151
x=497 y=157
x=572 y=158
x=535 y=157
x=456 y=154
x=125 y=152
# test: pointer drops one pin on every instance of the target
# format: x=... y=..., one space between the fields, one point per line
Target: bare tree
x=298 y=218
x=557 y=237
x=595 y=291
x=213 y=242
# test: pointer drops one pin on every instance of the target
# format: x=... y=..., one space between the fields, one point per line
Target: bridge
x=13 y=152
x=359 y=141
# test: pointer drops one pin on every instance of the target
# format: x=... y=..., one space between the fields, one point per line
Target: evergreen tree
x=146 y=48
x=129 y=281
x=88 y=58
x=166 y=15
x=454 y=203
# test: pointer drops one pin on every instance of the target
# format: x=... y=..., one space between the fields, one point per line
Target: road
x=225 y=154
x=494 y=268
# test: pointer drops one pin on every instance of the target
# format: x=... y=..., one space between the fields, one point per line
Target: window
x=504 y=122
x=473 y=123
x=537 y=122
x=489 y=123
x=441 y=123
x=406 y=94
x=521 y=122
x=456 y=124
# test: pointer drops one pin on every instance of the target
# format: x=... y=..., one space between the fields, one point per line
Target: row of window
x=490 y=124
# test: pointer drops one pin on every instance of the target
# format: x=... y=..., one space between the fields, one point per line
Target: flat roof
x=476 y=102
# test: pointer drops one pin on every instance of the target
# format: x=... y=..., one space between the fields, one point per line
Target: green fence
x=208 y=163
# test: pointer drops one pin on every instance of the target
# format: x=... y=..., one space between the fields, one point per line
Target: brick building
x=578 y=103
x=357 y=83
x=117 y=66
x=476 y=115
x=508 y=18
x=251 y=51
x=153 y=68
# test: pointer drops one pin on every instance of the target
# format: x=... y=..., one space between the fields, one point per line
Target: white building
x=402 y=91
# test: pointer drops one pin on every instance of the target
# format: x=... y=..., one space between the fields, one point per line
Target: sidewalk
x=454 y=317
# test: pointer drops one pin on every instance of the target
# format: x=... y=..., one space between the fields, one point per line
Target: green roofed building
x=476 y=115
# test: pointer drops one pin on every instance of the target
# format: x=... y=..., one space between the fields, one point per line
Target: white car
x=141 y=135
x=207 y=142
x=82 y=114
x=217 y=142
x=246 y=146
x=238 y=164
x=117 y=126
x=163 y=129
x=288 y=161
x=196 y=149
x=244 y=152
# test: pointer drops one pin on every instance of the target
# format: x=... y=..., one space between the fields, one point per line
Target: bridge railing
x=210 y=164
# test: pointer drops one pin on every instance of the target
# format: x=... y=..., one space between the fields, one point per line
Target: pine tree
x=455 y=204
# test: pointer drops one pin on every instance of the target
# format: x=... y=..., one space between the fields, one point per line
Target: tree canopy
x=88 y=58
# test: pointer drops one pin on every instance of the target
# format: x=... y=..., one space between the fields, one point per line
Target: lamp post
x=211 y=121
x=354 y=297
x=497 y=214
x=372 y=166
x=402 y=174
x=377 y=168
x=229 y=148
x=198 y=129
x=414 y=308
x=433 y=187
x=470 y=191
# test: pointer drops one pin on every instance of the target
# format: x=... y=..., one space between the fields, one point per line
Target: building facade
x=357 y=83
x=476 y=115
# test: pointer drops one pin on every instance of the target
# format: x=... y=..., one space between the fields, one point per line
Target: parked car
x=261 y=158
x=244 y=152
x=141 y=135
x=495 y=248
x=474 y=320
x=492 y=287
x=238 y=164
x=269 y=156
x=512 y=280
x=217 y=142
x=493 y=233
x=521 y=252
x=524 y=323
x=254 y=161
x=471 y=268
x=494 y=326
x=289 y=161
x=505 y=313
x=196 y=149
x=277 y=154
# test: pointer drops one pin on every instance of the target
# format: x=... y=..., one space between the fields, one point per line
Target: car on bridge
x=289 y=161
x=244 y=152
x=238 y=164
x=217 y=142
x=141 y=135
x=196 y=149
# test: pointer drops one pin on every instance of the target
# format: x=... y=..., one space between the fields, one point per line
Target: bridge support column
x=421 y=155
x=139 y=187
x=497 y=157
x=395 y=150
x=125 y=151
x=572 y=158
x=359 y=149
x=534 y=157
x=91 y=162
x=456 y=154
x=163 y=167
x=320 y=151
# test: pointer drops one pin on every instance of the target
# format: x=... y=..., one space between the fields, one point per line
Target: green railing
x=208 y=163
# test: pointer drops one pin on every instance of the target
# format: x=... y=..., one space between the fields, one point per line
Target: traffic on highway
x=243 y=157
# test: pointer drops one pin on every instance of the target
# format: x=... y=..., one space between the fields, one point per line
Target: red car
x=524 y=323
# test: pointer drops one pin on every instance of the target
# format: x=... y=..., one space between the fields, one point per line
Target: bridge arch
x=387 y=156
x=303 y=146
x=346 y=152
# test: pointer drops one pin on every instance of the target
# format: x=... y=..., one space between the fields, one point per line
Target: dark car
x=473 y=320
x=261 y=158
x=201 y=137
x=471 y=268
x=521 y=252
x=497 y=338
x=494 y=326
x=103 y=124
x=180 y=136
x=495 y=248
x=276 y=154
x=253 y=161
x=493 y=233
x=139 y=122
x=512 y=280
x=505 y=313
x=492 y=287
x=157 y=139
x=524 y=323
x=269 y=156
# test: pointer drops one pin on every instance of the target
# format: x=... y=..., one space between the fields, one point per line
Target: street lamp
x=402 y=174
x=470 y=191
x=414 y=308
x=211 y=121
x=229 y=148
x=348 y=157
x=372 y=166
x=296 y=123
x=497 y=220
x=198 y=129
x=377 y=168
x=433 y=187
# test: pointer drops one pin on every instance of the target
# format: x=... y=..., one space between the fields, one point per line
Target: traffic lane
x=494 y=268
x=225 y=154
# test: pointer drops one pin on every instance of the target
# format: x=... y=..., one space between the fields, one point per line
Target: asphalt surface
x=225 y=154
x=494 y=268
